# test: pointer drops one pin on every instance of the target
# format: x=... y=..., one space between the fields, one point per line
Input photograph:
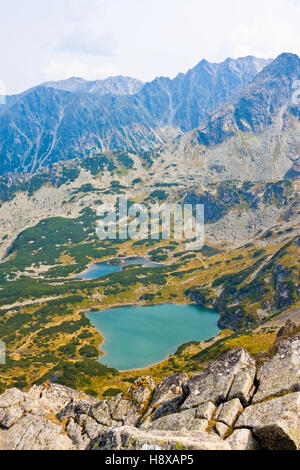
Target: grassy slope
x=46 y=339
x=54 y=337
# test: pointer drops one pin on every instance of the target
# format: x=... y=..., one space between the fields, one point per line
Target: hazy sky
x=54 y=39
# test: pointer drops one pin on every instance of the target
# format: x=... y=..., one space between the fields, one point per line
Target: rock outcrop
x=232 y=376
x=133 y=439
x=230 y=405
x=282 y=373
x=276 y=423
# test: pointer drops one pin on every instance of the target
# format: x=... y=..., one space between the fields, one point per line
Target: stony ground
x=235 y=403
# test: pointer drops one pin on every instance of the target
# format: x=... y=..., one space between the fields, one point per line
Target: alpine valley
x=224 y=135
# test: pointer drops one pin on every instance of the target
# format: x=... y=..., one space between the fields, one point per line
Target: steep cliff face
x=245 y=298
x=230 y=405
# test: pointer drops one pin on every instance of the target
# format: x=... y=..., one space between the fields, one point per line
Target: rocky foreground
x=235 y=403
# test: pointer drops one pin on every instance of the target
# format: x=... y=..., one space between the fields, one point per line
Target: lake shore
x=122 y=263
x=137 y=332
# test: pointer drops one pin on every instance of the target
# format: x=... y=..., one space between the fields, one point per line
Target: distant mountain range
x=110 y=86
x=72 y=118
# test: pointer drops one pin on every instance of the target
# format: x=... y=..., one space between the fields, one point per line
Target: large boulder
x=222 y=430
x=91 y=427
x=55 y=397
x=169 y=407
x=129 y=438
x=102 y=413
x=275 y=423
x=170 y=388
x=80 y=439
x=12 y=397
x=230 y=411
x=186 y=421
x=231 y=376
x=75 y=408
x=243 y=439
x=9 y=416
x=206 y=411
x=35 y=433
x=14 y=404
x=11 y=407
x=130 y=408
x=282 y=373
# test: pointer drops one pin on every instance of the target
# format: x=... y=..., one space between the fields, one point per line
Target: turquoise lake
x=97 y=270
x=138 y=337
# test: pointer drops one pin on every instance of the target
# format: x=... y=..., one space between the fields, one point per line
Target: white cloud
x=265 y=36
x=87 y=42
x=139 y=38
x=56 y=70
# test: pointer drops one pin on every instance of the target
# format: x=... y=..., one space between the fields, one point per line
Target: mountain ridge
x=116 y=85
x=275 y=81
x=45 y=125
x=256 y=136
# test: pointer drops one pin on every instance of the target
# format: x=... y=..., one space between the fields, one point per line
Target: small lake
x=97 y=270
x=137 y=337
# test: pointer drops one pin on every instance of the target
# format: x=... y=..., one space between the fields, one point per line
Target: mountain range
x=110 y=86
x=66 y=119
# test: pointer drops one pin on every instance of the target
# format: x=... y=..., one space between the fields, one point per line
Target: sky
x=43 y=40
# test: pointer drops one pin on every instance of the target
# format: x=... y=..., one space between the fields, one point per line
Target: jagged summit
x=257 y=105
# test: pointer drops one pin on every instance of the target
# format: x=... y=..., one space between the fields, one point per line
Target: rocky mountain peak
x=284 y=61
x=257 y=106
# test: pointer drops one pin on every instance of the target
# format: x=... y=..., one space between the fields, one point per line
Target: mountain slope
x=45 y=125
x=257 y=106
x=254 y=137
